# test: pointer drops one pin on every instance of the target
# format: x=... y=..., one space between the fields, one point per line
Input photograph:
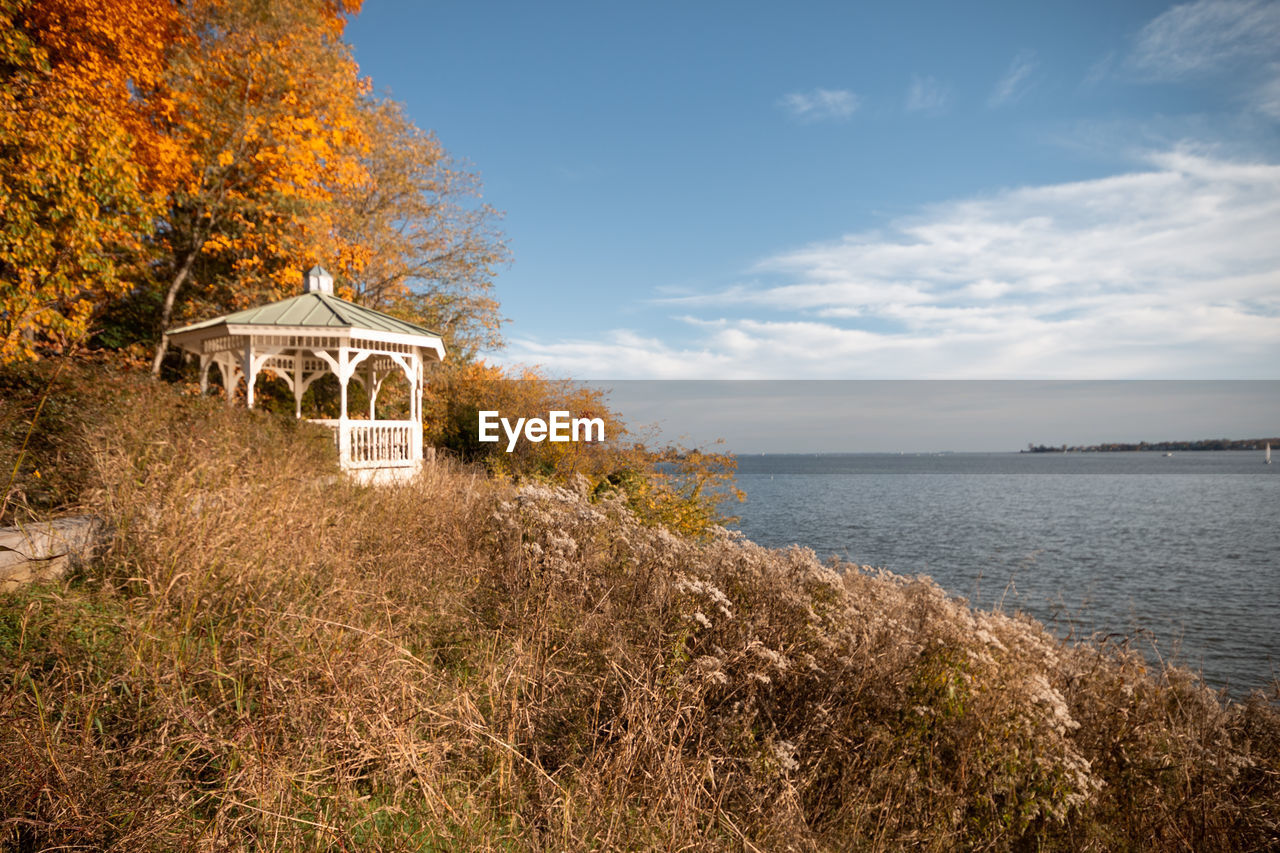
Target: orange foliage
x=264 y=98
x=454 y=398
x=674 y=487
x=198 y=155
x=83 y=168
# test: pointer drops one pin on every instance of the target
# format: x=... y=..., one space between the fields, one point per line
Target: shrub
x=270 y=656
x=680 y=488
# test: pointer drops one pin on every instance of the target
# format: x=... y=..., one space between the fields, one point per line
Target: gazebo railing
x=376 y=444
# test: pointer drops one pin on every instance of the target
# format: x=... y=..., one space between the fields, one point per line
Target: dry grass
x=268 y=657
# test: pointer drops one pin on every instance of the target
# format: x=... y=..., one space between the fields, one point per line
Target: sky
x=932 y=190
x=928 y=416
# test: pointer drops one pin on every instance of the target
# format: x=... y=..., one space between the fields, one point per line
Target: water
x=1184 y=550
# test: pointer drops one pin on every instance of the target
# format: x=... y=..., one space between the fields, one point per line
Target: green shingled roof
x=313 y=311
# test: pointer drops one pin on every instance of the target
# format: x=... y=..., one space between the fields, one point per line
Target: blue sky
x=835 y=190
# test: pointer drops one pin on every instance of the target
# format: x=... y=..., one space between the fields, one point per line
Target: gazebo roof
x=312 y=311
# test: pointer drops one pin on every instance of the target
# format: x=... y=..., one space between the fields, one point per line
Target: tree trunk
x=166 y=313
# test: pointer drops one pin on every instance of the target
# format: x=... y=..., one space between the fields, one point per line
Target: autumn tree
x=265 y=99
x=83 y=167
x=430 y=244
x=194 y=157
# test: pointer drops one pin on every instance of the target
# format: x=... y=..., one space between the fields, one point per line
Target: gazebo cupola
x=301 y=339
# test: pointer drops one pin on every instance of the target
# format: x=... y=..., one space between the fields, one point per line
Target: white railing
x=376 y=444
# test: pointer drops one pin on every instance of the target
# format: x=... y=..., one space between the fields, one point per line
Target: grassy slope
x=270 y=657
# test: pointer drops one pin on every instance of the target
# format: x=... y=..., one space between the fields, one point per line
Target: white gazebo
x=303 y=338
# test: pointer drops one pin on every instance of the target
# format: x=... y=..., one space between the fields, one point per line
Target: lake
x=1182 y=550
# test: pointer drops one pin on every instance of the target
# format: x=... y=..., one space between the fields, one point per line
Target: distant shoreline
x=1159 y=446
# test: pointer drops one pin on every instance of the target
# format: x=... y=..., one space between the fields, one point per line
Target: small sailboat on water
x=1267 y=457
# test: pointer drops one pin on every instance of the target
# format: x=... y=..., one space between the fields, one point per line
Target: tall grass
x=268 y=656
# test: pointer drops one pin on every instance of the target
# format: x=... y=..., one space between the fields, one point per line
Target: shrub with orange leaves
x=674 y=487
x=457 y=395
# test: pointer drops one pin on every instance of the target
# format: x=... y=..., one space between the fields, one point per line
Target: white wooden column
x=344 y=375
x=206 y=360
x=422 y=384
x=344 y=428
x=415 y=403
x=297 y=384
x=252 y=366
x=249 y=373
x=230 y=374
x=415 y=406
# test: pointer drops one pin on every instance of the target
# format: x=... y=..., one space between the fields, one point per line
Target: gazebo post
x=297 y=384
x=344 y=374
x=415 y=404
x=205 y=360
x=344 y=428
x=230 y=377
x=248 y=371
x=371 y=385
x=417 y=396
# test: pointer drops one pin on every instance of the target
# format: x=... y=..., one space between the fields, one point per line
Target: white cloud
x=1016 y=81
x=926 y=95
x=622 y=354
x=1168 y=272
x=821 y=104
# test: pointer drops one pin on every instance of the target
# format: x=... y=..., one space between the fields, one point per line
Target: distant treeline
x=1163 y=446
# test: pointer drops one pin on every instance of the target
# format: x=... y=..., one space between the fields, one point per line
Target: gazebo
x=301 y=339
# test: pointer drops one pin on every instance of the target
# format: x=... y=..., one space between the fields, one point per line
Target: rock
x=45 y=550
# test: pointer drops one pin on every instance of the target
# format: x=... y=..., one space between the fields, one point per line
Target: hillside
x=267 y=656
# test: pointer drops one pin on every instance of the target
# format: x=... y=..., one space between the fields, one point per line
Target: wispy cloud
x=1099 y=71
x=580 y=173
x=1268 y=93
x=1168 y=272
x=1016 y=81
x=821 y=104
x=1240 y=38
x=1205 y=36
x=926 y=95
